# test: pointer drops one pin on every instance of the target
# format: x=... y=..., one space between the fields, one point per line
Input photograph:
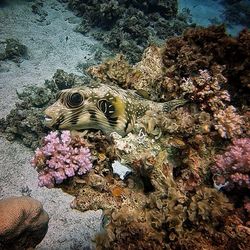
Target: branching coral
x=206 y=89
x=228 y=123
x=61 y=157
x=232 y=169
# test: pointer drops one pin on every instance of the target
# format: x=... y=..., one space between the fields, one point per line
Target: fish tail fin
x=173 y=104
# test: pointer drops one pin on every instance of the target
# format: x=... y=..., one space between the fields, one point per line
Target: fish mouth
x=48 y=120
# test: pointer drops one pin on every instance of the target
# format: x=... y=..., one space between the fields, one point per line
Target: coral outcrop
x=236 y=12
x=13 y=50
x=130 y=26
x=25 y=122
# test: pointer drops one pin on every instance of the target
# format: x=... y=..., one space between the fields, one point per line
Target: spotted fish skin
x=102 y=107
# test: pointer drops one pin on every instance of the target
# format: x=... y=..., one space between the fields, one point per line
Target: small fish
x=102 y=107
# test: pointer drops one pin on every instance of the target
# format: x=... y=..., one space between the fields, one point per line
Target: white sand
x=48 y=50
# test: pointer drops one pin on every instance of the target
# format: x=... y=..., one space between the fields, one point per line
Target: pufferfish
x=103 y=107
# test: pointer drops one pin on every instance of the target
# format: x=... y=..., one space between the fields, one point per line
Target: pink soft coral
x=60 y=158
x=232 y=169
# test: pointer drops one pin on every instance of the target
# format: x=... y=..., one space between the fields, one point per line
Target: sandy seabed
x=48 y=50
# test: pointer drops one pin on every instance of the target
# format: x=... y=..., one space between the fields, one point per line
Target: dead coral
x=141 y=76
x=146 y=72
x=114 y=70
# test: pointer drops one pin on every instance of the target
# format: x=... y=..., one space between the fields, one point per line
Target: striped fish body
x=102 y=107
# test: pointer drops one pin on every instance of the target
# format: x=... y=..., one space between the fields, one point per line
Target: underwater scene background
x=129 y=122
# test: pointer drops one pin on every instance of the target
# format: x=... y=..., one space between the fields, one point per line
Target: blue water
x=205 y=13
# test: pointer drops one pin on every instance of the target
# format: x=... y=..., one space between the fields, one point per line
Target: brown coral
x=128 y=228
x=23 y=223
x=208 y=205
x=114 y=70
x=202 y=48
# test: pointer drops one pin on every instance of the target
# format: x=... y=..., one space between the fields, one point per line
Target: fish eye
x=74 y=100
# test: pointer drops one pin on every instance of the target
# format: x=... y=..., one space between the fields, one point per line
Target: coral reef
x=203 y=49
x=187 y=66
x=130 y=26
x=23 y=223
x=37 y=9
x=168 y=198
x=206 y=89
x=61 y=157
x=25 y=123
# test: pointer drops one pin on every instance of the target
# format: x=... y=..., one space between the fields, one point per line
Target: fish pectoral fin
x=173 y=104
